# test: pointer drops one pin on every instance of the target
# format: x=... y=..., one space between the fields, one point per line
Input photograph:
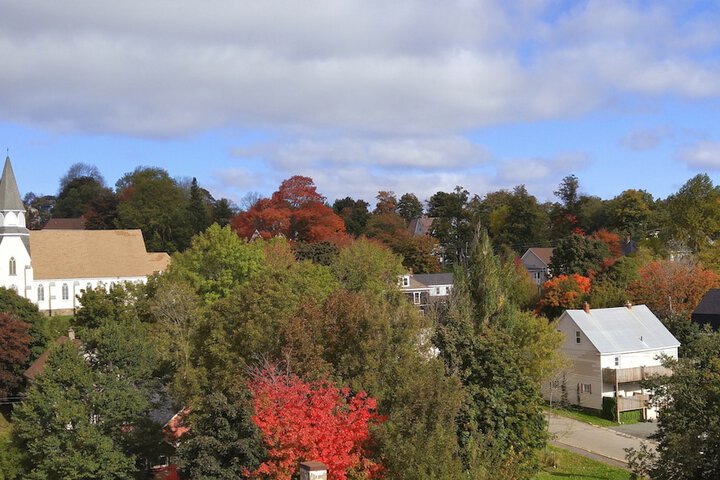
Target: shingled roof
x=9 y=193
x=58 y=254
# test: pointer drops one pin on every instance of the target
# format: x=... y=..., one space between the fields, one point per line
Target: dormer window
x=406 y=281
x=12 y=266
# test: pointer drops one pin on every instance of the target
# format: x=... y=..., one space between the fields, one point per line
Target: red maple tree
x=303 y=421
x=296 y=211
x=672 y=288
x=563 y=292
x=14 y=352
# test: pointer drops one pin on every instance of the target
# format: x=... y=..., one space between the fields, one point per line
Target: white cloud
x=702 y=155
x=168 y=68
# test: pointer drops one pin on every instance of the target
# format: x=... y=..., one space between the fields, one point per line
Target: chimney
x=71 y=334
x=313 y=471
x=586 y=307
x=628 y=304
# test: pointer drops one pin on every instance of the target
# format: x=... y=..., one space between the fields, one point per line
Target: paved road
x=602 y=443
x=641 y=430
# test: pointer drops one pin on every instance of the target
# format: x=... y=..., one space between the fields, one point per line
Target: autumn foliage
x=672 y=288
x=563 y=292
x=296 y=211
x=14 y=352
x=303 y=421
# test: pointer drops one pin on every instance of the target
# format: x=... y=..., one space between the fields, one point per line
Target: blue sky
x=411 y=96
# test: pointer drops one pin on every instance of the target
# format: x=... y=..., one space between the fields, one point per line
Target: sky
x=408 y=96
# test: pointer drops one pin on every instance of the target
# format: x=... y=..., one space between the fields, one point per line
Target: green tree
x=199 y=208
x=223 y=442
x=217 y=262
x=75 y=198
x=409 y=207
x=153 y=202
x=580 y=255
x=354 y=213
x=366 y=266
x=515 y=219
x=222 y=211
x=500 y=355
x=688 y=424
x=68 y=424
x=452 y=226
x=630 y=213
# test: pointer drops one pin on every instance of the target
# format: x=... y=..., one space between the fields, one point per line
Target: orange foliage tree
x=302 y=421
x=296 y=211
x=672 y=288
x=563 y=292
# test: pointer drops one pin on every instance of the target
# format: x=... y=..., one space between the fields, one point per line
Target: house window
x=41 y=293
x=437 y=290
x=65 y=292
x=12 y=266
x=585 y=388
x=617 y=360
x=578 y=339
x=416 y=298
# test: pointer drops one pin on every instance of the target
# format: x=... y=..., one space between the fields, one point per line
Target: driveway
x=600 y=443
x=641 y=430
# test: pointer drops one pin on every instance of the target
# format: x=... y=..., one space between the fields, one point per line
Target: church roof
x=9 y=193
x=59 y=254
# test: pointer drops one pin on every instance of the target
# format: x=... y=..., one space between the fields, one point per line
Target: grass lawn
x=583 y=416
x=571 y=466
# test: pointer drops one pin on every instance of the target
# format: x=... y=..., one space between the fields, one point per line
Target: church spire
x=9 y=193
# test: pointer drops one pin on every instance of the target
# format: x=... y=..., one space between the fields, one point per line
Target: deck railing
x=634 y=374
x=635 y=402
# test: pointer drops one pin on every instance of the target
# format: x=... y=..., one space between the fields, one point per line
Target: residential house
x=611 y=350
x=537 y=262
x=708 y=310
x=421 y=226
x=52 y=267
x=424 y=290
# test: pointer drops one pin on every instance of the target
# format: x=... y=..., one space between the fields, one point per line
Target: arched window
x=88 y=287
x=12 y=266
x=41 y=293
x=14 y=288
x=65 y=292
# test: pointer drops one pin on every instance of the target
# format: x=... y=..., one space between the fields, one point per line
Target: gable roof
x=65 y=224
x=623 y=329
x=37 y=367
x=421 y=226
x=544 y=254
x=432 y=279
x=9 y=193
x=710 y=303
x=92 y=254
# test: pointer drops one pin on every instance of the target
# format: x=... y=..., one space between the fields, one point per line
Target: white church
x=52 y=268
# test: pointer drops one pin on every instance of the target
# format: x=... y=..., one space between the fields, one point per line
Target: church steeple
x=9 y=193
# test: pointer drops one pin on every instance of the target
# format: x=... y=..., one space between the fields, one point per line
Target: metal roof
x=623 y=329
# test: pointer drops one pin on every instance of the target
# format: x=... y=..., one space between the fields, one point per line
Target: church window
x=14 y=288
x=65 y=292
x=12 y=266
x=88 y=287
x=41 y=293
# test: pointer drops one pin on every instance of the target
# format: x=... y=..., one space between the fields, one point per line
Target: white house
x=611 y=350
x=425 y=289
x=537 y=262
x=52 y=267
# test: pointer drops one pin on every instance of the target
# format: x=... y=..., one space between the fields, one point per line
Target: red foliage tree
x=14 y=352
x=563 y=292
x=303 y=421
x=672 y=288
x=296 y=211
